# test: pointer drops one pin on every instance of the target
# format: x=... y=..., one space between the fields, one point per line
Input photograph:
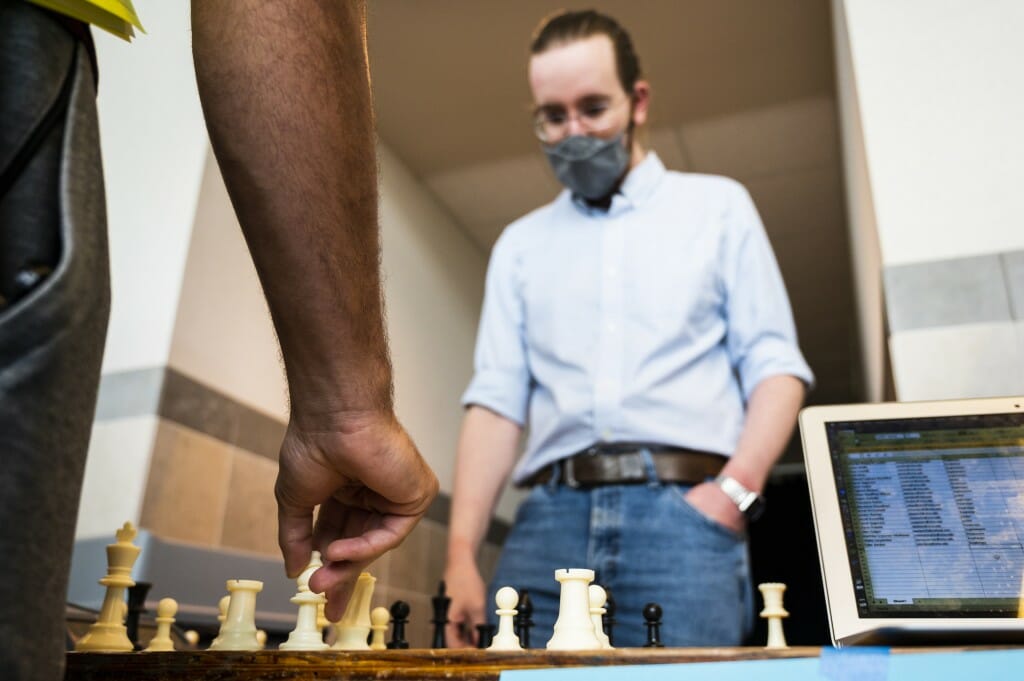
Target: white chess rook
x=773 y=612
x=238 y=631
x=598 y=598
x=506 y=639
x=574 y=630
x=354 y=627
x=307 y=635
x=166 y=609
x=108 y=633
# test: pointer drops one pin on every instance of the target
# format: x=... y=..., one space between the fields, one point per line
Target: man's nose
x=575 y=126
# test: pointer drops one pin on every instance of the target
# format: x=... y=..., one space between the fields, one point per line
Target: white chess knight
x=238 y=631
x=774 y=612
x=574 y=629
x=598 y=597
x=506 y=639
x=354 y=627
x=307 y=635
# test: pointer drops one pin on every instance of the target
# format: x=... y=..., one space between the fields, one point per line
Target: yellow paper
x=116 y=16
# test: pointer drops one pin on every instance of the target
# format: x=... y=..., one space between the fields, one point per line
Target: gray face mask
x=588 y=166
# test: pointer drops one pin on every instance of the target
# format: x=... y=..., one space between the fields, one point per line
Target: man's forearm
x=487 y=450
x=771 y=416
x=285 y=92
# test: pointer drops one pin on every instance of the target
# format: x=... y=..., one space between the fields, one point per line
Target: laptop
x=919 y=515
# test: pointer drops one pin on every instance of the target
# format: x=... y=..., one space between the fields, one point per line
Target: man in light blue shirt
x=639 y=328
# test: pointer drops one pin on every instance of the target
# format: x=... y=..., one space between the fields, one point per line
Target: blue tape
x=854 y=664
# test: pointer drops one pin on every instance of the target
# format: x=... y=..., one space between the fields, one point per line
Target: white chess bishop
x=307 y=635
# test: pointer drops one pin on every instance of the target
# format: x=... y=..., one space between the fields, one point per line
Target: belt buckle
x=569 y=473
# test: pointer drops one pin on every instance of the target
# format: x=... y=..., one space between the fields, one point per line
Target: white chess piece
x=166 y=609
x=598 y=598
x=379 y=619
x=354 y=627
x=261 y=639
x=574 y=629
x=238 y=631
x=306 y=635
x=222 y=614
x=108 y=633
x=192 y=636
x=506 y=639
x=773 y=612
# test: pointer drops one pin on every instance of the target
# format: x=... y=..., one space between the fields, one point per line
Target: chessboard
x=397 y=665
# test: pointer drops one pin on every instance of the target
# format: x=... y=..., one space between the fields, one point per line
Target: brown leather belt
x=623 y=463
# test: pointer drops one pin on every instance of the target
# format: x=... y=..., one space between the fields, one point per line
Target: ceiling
x=743 y=88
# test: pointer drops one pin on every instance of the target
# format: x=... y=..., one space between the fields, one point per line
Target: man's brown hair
x=569 y=26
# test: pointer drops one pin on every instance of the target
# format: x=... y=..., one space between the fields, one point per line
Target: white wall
x=941 y=102
x=860 y=209
x=154 y=143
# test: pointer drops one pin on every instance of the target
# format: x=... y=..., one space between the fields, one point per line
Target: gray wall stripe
x=170 y=394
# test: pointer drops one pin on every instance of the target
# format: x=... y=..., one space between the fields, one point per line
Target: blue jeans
x=648 y=545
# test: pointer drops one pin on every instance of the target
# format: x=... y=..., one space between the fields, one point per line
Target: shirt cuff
x=504 y=393
x=773 y=358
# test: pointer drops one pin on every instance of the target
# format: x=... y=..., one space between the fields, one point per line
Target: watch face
x=755 y=510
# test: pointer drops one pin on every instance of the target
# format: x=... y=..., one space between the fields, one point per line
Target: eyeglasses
x=594 y=115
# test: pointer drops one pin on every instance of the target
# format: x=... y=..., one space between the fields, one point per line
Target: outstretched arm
x=285 y=91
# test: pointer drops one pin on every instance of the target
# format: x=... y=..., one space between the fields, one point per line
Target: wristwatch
x=751 y=504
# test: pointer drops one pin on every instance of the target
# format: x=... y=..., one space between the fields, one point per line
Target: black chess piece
x=136 y=608
x=608 y=618
x=523 y=621
x=399 y=618
x=441 y=603
x=652 y=616
x=485 y=635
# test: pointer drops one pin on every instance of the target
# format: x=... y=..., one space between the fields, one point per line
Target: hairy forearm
x=486 y=453
x=771 y=416
x=285 y=92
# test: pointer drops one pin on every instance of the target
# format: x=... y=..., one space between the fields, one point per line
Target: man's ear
x=641 y=102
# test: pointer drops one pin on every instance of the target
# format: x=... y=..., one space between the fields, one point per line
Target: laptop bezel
x=846 y=625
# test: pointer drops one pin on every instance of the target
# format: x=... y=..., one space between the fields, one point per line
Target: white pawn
x=598 y=598
x=354 y=627
x=574 y=630
x=238 y=631
x=306 y=635
x=506 y=639
x=379 y=618
x=222 y=614
x=166 y=609
x=192 y=636
x=773 y=612
x=261 y=639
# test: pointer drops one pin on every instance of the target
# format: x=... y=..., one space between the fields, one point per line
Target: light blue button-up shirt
x=651 y=322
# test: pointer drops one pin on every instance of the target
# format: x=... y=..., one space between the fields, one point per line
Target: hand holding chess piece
x=773 y=612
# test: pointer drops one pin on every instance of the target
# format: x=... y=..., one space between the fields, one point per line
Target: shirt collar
x=638 y=186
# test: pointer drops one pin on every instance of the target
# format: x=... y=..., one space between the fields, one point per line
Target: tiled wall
x=206 y=486
x=957 y=327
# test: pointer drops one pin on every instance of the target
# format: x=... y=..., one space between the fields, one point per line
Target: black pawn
x=608 y=618
x=399 y=618
x=136 y=608
x=485 y=635
x=523 y=621
x=652 y=616
x=441 y=603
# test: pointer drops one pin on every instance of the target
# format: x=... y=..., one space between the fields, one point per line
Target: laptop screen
x=933 y=513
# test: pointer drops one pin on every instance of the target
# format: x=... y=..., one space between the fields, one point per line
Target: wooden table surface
x=401 y=665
